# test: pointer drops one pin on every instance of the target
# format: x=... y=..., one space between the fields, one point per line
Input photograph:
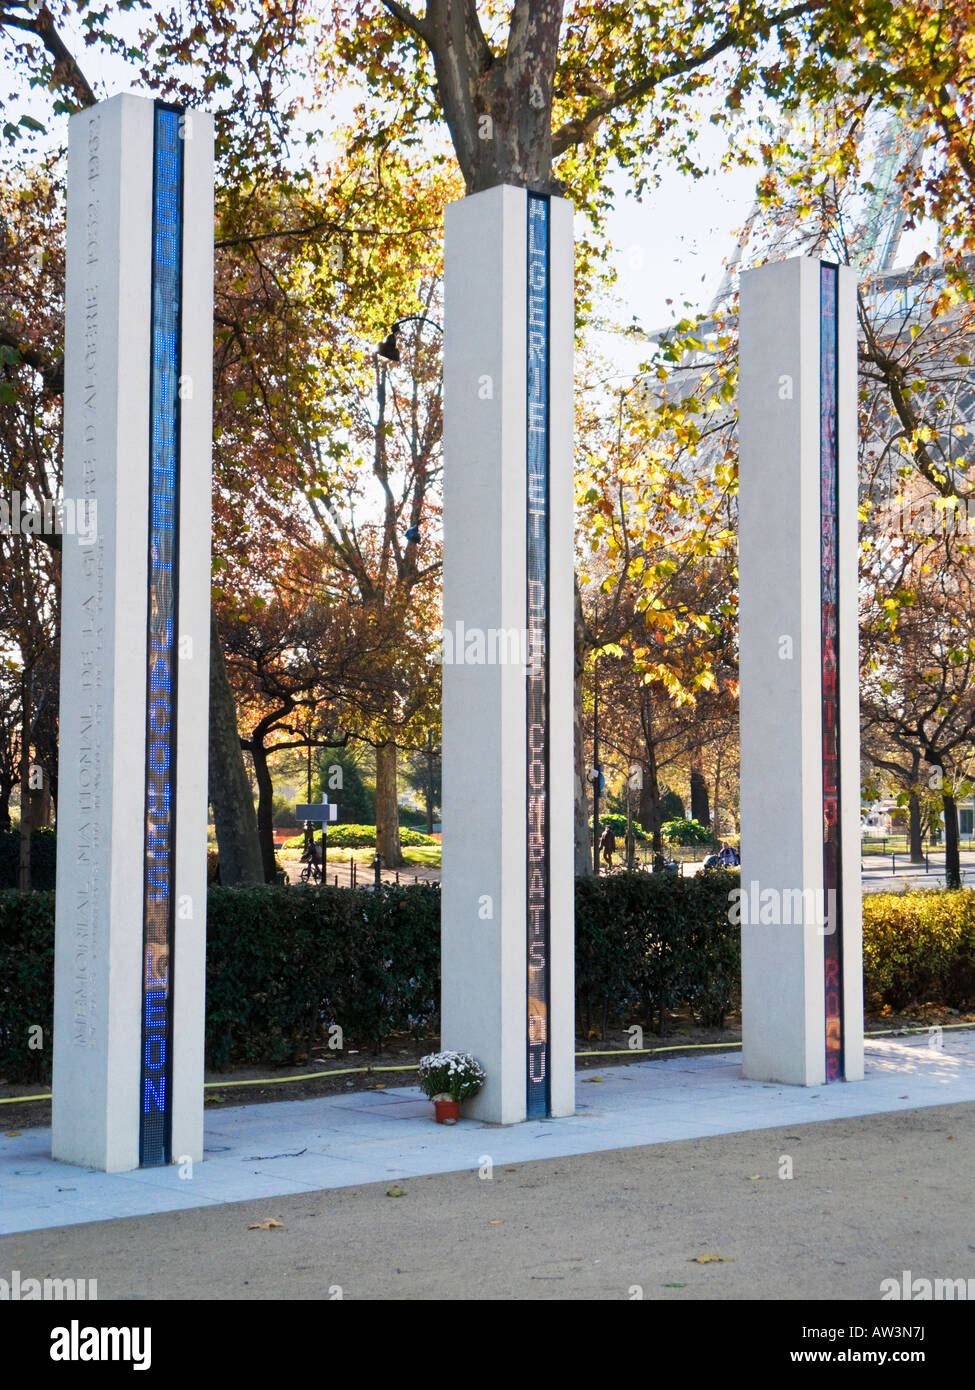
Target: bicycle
x=312 y=861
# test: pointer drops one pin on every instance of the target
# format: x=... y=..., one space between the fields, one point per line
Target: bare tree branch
x=67 y=73
x=408 y=19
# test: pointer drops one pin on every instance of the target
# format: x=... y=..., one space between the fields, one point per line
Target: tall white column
x=128 y=1017
x=508 y=888
x=802 y=977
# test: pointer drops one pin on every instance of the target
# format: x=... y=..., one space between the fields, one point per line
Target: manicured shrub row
x=359 y=837
x=43 y=858
x=647 y=942
x=919 y=948
x=283 y=963
x=26 y=985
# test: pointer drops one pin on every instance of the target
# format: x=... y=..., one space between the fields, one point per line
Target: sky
x=670 y=249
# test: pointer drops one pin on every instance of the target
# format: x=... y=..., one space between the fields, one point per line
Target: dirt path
x=339 y=872
x=868 y=1198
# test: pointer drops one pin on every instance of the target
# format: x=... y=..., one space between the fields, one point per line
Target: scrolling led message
x=829 y=594
x=157 y=993
x=537 y=679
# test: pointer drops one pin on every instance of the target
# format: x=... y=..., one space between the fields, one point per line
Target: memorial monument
x=131 y=902
x=132 y=805
x=508 y=883
x=799 y=907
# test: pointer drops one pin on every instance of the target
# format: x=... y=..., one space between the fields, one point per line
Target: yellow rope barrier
x=619 y=1052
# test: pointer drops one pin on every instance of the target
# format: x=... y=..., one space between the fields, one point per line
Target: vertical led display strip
x=537 y=504
x=160 y=802
x=829 y=570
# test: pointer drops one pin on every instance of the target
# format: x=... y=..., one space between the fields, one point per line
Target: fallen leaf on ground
x=15 y=1134
x=755 y=1177
x=589 y=1080
x=396 y=1192
x=268 y=1224
x=495 y=1223
x=675 y=1286
x=710 y=1258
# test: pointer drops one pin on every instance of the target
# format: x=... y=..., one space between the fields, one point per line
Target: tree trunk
x=583 y=856
x=649 y=814
x=700 y=810
x=429 y=786
x=25 y=796
x=498 y=108
x=40 y=804
x=6 y=789
x=717 y=791
x=387 y=807
x=952 y=856
x=230 y=792
x=265 y=808
x=914 y=828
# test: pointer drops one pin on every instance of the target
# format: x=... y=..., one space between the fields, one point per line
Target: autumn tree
x=297 y=244
x=234 y=51
x=308 y=672
x=918 y=688
x=848 y=185
x=656 y=478
x=31 y=276
x=551 y=96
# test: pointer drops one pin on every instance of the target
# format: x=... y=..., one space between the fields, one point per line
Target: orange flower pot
x=447 y=1112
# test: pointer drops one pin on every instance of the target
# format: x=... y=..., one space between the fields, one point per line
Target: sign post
x=319 y=813
x=508 y=879
x=799 y=904
x=131 y=901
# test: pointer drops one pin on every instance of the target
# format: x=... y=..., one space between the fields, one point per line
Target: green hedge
x=617 y=823
x=686 y=832
x=919 y=948
x=26 y=984
x=648 y=942
x=285 y=962
x=43 y=858
x=359 y=837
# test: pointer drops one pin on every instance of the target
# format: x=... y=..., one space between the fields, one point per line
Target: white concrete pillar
x=801 y=930
x=131 y=877
x=508 y=886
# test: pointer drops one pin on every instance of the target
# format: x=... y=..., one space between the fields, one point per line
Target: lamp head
x=388 y=348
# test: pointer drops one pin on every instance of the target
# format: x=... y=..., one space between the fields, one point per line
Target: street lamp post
x=388 y=347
